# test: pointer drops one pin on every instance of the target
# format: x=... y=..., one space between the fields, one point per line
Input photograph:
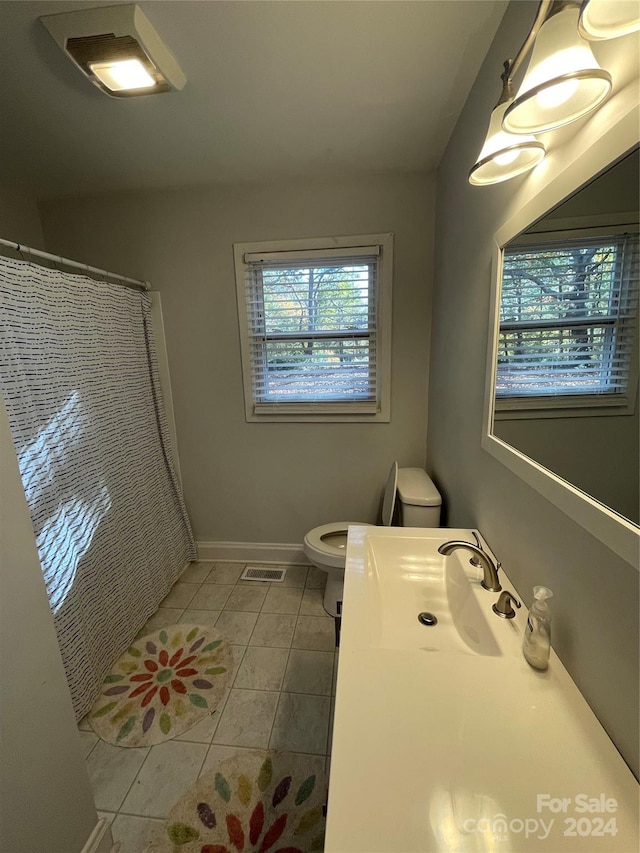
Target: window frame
x=378 y=411
x=507 y=407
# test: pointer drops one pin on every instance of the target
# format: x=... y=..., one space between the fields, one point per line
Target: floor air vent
x=259 y=573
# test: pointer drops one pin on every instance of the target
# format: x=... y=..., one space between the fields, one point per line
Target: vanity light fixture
x=608 y=19
x=504 y=155
x=118 y=49
x=563 y=81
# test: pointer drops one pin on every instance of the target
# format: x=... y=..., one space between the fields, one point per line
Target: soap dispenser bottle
x=537 y=634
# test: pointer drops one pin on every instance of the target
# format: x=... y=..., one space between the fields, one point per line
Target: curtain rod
x=38 y=253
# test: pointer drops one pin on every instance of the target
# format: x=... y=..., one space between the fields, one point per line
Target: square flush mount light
x=118 y=49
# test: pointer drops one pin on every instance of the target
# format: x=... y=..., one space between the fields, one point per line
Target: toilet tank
x=418 y=498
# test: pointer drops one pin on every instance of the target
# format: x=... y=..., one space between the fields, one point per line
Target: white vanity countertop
x=436 y=751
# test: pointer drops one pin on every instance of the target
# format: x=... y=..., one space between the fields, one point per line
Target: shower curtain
x=79 y=379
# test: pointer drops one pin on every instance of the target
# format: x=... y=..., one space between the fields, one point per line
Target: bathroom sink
x=434 y=742
x=406 y=579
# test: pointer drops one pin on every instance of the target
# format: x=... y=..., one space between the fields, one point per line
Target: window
x=315 y=325
x=568 y=313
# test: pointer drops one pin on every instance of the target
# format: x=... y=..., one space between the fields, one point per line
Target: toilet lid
x=389 y=501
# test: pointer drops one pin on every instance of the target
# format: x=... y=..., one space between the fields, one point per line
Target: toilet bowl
x=326 y=546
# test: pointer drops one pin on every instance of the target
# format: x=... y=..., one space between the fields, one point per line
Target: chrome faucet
x=490 y=580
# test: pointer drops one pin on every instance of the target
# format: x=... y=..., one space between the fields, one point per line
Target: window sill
x=563 y=407
x=318 y=413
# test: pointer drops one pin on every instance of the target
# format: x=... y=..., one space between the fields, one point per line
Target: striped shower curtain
x=79 y=379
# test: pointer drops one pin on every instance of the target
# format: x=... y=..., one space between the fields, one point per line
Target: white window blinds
x=312 y=328
x=568 y=317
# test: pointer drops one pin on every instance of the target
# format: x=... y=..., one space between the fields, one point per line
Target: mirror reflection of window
x=567 y=320
x=566 y=386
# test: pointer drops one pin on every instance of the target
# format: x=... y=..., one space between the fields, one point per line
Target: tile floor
x=282 y=694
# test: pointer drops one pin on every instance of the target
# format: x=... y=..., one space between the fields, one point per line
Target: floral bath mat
x=162 y=685
x=254 y=802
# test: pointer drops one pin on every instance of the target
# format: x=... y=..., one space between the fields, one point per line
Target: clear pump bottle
x=536 y=644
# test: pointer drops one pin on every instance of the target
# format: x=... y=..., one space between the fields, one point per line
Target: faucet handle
x=503 y=606
x=474 y=560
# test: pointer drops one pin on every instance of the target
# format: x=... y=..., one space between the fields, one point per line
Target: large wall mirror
x=566 y=386
x=562 y=402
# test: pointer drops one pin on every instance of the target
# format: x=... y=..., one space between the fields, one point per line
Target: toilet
x=419 y=504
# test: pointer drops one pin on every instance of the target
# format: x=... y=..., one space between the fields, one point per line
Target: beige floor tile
x=169 y=769
x=200 y=617
x=273 y=629
x=211 y=596
x=218 y=753
x=295 y=576
x=301 y=724
x=225 y=573
x=180 y=595
x=87 y=742
x=315 y=632
x=143 y=784
x=161 y=618
x=203 y=731
x=236 y=627
x=238 y=655
x=262 y=669
x=309 y=672
x=111 y=770
x=283 y=600
x=196 y=573
x=133 y=832
x=246 y=598
x=316 y=579
x=247 y=719
x=311 y=604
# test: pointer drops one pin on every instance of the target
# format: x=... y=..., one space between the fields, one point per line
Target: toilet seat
x=316 y=544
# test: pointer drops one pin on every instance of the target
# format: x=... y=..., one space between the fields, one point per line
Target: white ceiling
x=274 y=90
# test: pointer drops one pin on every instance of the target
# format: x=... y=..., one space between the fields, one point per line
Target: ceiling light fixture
x=563 y=81
x=122 y=74
x=118 y=49
x=608 y=19
x=504 y=155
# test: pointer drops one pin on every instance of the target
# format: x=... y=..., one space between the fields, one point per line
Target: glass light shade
x=608 y=19
x=563 y=81
x=504 y=155
x=123 y=74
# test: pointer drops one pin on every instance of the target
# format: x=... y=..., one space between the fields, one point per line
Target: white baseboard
x=100 y=840
x=252 y=552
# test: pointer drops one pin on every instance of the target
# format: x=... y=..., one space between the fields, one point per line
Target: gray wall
x=596 y=594
x=20 y=220
x=599 y=455
x=264 y=482
x=45 y=796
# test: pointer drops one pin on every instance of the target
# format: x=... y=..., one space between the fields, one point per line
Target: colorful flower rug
x=254 y=802
x=162 y=685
